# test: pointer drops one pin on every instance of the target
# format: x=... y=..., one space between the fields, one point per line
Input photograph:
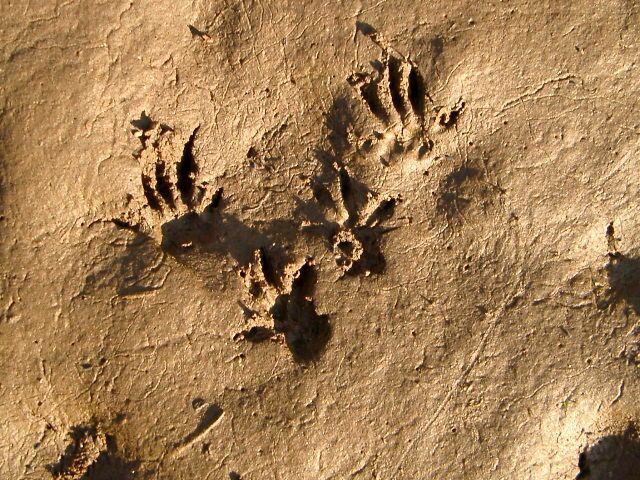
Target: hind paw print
x=279 y=305
x=396 y=96
x=169 y=178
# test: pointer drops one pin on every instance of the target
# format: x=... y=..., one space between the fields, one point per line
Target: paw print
x=169 y=178
x=279 y=306
x=352 y=226
x=88 y=445
x=396 y=96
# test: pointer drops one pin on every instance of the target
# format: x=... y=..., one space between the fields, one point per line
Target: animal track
x=88 y=443
x=352 y=226
x=169 y=178
x=466 y=182
x=177 y=212
x=92 y=455
x=397 y=97
x=280 y=305
x=611 y=456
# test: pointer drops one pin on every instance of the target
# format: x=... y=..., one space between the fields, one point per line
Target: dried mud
x=307 y=240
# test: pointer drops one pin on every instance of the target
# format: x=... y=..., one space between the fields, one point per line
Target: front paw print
x=170 y=178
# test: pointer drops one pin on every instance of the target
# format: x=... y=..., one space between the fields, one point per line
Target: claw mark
x=210 y=418
x=187 y=170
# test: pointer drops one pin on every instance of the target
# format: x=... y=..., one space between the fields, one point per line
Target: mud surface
x=319 y=240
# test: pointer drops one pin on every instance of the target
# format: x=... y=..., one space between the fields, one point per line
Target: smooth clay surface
x=319 y=239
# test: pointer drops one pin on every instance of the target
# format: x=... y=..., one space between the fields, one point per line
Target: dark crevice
x=321 y=194
x=306 y=332
x=268 y=269
x=369 y=92
x=125 y=225
x=347 y=194
x=345 y=183
x=348 y=249
x=416 y=91
x=150 y=194
x=425 y=148
x=383 y=212
x=257 y=334
x=216 y=199
x=372 y=259
x=163 y=185
x=197 y=32
x=449 y=119
x=186 y=171
x=395 y=86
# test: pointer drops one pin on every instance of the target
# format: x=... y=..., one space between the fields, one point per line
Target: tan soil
x=319 y=240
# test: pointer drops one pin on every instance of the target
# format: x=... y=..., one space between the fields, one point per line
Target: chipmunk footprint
x=169 y=178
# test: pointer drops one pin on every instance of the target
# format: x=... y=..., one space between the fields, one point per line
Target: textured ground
x=306 y=240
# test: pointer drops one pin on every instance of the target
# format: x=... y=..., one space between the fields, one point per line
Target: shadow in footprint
x=612 y=457
x=110 y=466
x=280 y=304
x=293 y=312
x=216 y=232
x=305 y=331
x=338 y=121
x=452 y=198
x=91 y=455
x=623 y=273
